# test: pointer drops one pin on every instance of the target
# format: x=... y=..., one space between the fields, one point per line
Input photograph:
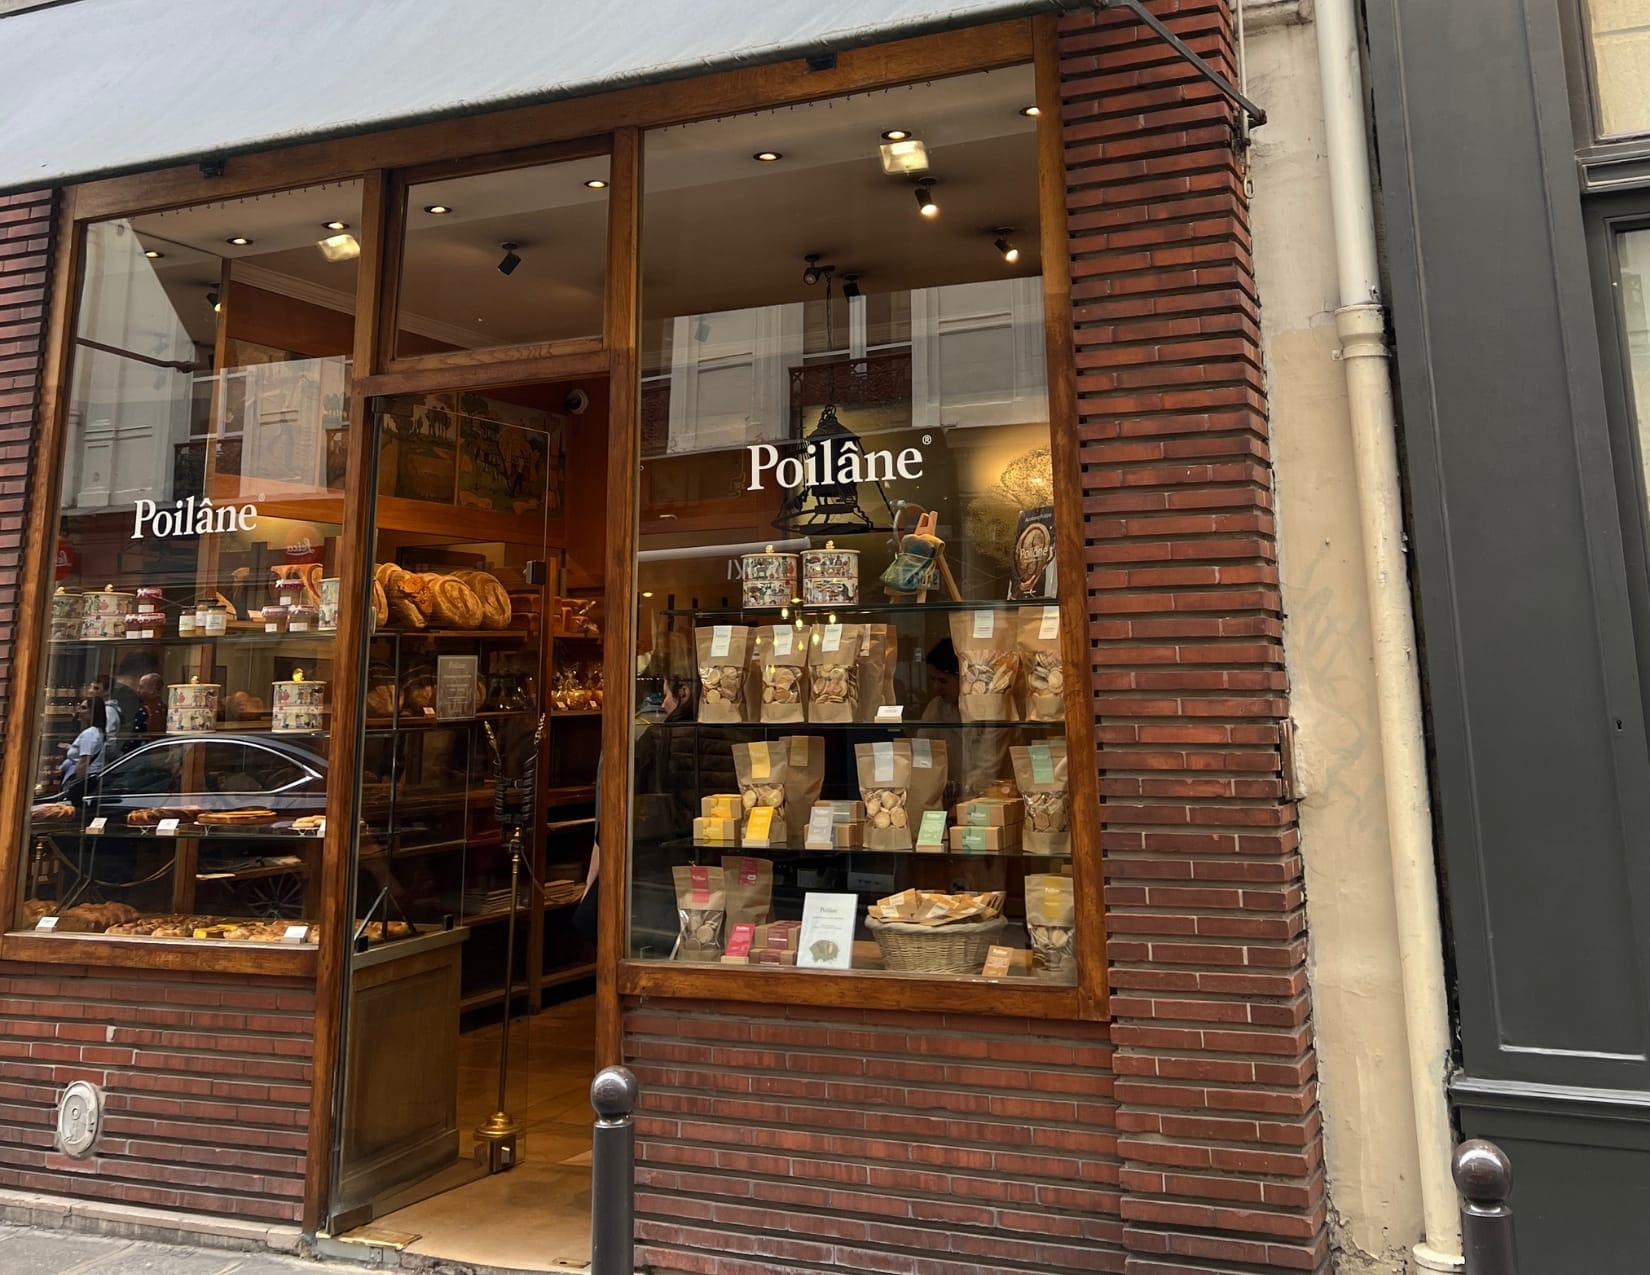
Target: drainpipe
x=1360 y=321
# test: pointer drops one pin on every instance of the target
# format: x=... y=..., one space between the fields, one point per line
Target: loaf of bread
x=494 y=598
x=380 y=605
x=454 y=605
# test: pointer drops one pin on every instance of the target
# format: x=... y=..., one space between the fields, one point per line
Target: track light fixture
x=814 y=272
x=1001 y=243
x=213 y=301
x=508 y=265
x=850 y=286
x=925 y=201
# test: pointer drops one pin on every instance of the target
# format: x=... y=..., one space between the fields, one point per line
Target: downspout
x=1360 y=321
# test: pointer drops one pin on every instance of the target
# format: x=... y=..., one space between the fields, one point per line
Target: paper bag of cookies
x=782 y=663
x=878 y=658
x=1044 y=781
x=749 y=887
x=701 y=912
x=833 y=672
x=988 y=664
x=1045 y=676
x=930 y=771
x=724 y=669
x=804 y=780
x=885 y=788
x=1051 y=925
x=762 y=767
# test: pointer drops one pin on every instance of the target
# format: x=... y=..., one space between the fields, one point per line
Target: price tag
x=832 y=639
x=932 y=830
x=295 y=934
x=46 y=923
x=922 y=754
x=1050 y=627
x=820 y=834
x=167 y=828
x=985 y=623
x=800 y=749
x=783 y=637
x=760 y=827
x=1042 y=764
x=891 y=713
x=882 y=762
x=97 y=825
x=997 y=961
x=721 y=638
x=429 y=712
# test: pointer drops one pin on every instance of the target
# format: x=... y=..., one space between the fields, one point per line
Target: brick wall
x=206 y=1077
x=26 y=233
x=1217 y=1118
x=830 y=1140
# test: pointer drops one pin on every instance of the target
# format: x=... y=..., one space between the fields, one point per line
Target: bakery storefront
x=688 y=470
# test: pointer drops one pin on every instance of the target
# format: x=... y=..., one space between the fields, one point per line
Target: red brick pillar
x=1219 y=1131
x=26 y=223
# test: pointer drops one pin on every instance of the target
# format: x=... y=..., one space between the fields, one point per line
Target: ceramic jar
x=830 y=576
x=295 y=705
x=192 y=707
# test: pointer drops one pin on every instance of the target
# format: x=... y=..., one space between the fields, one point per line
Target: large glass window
x=851 y=699
x=181 y=759
x=1619 y=32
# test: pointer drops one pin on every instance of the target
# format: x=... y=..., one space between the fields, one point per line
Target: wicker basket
x=935 y=949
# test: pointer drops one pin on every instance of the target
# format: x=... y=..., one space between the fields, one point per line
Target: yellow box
x=708 y=830
x=722 y=805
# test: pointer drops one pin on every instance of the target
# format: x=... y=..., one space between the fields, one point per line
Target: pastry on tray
x=252 y=817
x=310 y=823
x=54 y=810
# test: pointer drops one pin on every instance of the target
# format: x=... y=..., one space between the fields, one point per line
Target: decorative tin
x=103 y=615
x=192 y=707
x=830 y=576
x=769 y=578
x=329 y=603
x=66 y=615
x=295 y=706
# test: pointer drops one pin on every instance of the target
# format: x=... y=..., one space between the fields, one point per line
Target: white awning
x=96 y=87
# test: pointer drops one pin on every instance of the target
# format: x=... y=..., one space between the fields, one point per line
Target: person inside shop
x=944 y=676
x=84 y=755
x=126 y=695
x=980 y=753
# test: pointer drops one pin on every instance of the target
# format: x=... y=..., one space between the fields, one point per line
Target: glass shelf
x=803 y=728
x=809 y=611
x=238 y=637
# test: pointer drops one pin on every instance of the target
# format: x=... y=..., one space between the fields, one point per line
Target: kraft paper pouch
x=1040 y=771
x=724 y=672
x=782 y=664
x=988 y=664
x=878 y=657
x=929 y=773
x=885 y=787
x=833 y=672
x=1051 y=920
x=763 y=768
x=804 y=779
x=1045 y=676
x=701 y=912
x=749 y=887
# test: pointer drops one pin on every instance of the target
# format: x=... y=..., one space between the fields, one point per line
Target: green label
x=973 y=838
x=1042 y=764
x=977 y=815
x=932 y=831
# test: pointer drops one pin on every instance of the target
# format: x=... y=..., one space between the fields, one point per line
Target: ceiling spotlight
x=896 y=135
x=213 y=301
x=1031 y=111
x=767 y=157
x=596 y=183
x=240 y=241
x=339 y=248
x=814 y=271
x=508 y=265
x=1011 y=254
x=850 y=286
x=925 y=202
x=438 y=210
x=153 y=255
x=907 y=154
x=335 y=225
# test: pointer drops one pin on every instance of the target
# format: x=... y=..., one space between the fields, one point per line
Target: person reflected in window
x=978 y=755
x=84 y=757
x=944 y=678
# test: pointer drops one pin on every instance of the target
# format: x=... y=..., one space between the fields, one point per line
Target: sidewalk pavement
x=35 y=1251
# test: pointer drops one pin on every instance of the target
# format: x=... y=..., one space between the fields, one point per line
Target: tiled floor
x=536 y=1216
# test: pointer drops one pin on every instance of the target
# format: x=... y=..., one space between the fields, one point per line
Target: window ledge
x=273 y=959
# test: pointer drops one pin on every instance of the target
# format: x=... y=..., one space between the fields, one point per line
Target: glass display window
x=182 y=755
x=851 y=748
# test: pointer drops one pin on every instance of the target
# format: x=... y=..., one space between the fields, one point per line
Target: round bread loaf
x=454 y=605
x=494 y=598
x=380 y=605
x=410 y=599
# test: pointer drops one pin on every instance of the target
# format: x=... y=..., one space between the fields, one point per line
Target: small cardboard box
x=722 y=805
x=713 y=830
x=982 y=839
x=991 y=812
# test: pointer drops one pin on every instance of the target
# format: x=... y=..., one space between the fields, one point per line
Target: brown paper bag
x=930 y=771
x=1044 y=780
x=724 y=672
x=833 y=672
x=1051 y=925
x=988 y=664
x=804 y=780
x=749 y=887
x=878 y=658
x=701 y=912
x=1045 y=678
x=763 y=768
x=782 y=665
x=885 y=787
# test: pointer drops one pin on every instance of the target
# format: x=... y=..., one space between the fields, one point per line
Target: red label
x=747 y=872
x=699 y=877
x=739 y=942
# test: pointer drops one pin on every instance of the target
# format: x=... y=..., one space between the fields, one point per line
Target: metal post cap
x=613 y=1092
x=1482 y=1171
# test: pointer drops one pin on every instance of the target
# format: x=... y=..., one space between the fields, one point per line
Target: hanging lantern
x=827 y=501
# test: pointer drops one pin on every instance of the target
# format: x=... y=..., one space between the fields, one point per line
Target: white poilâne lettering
x=829 y=463
x=191 y=517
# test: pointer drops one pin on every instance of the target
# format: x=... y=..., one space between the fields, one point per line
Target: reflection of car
x=221 y=771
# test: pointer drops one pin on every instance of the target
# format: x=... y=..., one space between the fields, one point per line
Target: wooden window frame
x=386 y=163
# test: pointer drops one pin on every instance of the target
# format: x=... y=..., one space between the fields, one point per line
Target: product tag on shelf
x=46 y=923
x=783 y=638
x=721 y=637
x=1042 y=764
x=167 y=828
x=882 y=762
x=428 y=711
x=891 y=713
x=985 y=623
x=922 y=754
x=97 y=825
x=997 y=961
x=295 y=934
x=831 y=639
x=819 y=835
x=931 y=833
x=1050 y=627
x=760 y=827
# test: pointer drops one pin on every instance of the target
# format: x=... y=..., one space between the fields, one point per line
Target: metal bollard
x=1483 y=1178
x=613 y=1173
